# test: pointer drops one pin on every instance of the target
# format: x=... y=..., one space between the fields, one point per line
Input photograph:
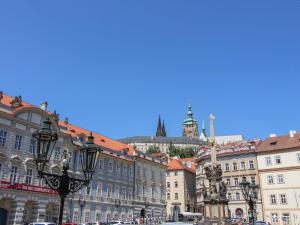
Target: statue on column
x=215 y=201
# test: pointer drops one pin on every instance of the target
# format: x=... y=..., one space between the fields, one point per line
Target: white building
x=120 y=175
x=279 y=172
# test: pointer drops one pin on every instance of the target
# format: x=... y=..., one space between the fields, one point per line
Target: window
x=234 y=166
x=168 y=196
x=32 y=145
x=176 y=196
x=101 y=164
x=3 y=135
x=98 y=217
x=124 y=192
x=124 y=171
x=13 y=174
x=28 y=179
x=168 y=174
x=244 y=178
x=130 y=171
x=243 y=166
x=227 y=167
x=277 y=159
x=253 y=180
x=168 y=184
x=152 y=175
x=298 y=154
x=143 y=191
x=228 y=181
x=251 y=164
x=86 y=217
x=99 y=190
x=117 y=192
x=268 y=161
x=280 y=179
x=274 y=217
x=236 y=181
x=118 y=168
x=229 y=196
x=57 y=153
x=130 y=194
x=286 y=218
x=108 y=217
x=18 y=142
x=176 y=184
x=175 y=173
x=109 y=190
x=273 y=199
x=110 y=166
x=283 y=200
x=237 y=196
x=76 y=216
x=270 y=179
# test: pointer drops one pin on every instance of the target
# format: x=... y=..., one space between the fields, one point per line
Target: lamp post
x=249 y=191
x=81 y=205
x=64 y=184
x=146 y=206
x=117 y=204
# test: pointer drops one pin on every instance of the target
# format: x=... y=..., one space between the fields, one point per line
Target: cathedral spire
x=159 y=129
x=164 y=129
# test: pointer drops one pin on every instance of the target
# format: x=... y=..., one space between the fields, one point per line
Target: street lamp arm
x=57 y=182
x=76 y=184
x=52 y=180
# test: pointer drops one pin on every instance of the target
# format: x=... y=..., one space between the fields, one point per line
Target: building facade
x=238 y=162
x=279 y=172
x=112 y=192
x=181 y=190
x=144 y=143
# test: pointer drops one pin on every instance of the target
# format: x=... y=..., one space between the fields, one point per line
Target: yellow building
x=180 y=187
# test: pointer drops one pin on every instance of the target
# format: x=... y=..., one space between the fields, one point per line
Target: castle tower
x=190 y=125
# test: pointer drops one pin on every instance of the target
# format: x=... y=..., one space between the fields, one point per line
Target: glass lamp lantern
x=45 y=140
x=89 y=154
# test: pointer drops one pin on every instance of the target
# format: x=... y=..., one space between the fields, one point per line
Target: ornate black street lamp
x=117 y=204
x=81 y=205
x=249 y=191
x=64 y=184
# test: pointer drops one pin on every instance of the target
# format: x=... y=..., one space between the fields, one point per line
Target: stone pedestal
x=215 y=201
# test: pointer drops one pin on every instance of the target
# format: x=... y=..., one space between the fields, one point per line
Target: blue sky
x=113 y=66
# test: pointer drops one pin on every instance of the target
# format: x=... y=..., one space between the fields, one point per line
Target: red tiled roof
x=74 y=130
x=176 y=164
x=280 y=142
x=99 y=139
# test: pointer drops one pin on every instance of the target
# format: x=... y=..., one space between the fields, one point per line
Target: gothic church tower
x=190 y=125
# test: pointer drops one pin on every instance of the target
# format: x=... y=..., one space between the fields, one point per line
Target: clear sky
x=113 y=66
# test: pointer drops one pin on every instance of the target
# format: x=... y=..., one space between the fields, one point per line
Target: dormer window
x=273 y=143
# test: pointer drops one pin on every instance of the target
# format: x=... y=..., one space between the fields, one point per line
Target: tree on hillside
x=153 y=149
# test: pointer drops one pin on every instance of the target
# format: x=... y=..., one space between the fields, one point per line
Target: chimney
x=273 y=135
x=44 y=106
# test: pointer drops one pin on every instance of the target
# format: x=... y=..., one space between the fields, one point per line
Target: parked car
x=43 y=223
x=260 y=222
x=69 y=224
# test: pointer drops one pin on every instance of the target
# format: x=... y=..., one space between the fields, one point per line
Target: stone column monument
x=215 y=200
